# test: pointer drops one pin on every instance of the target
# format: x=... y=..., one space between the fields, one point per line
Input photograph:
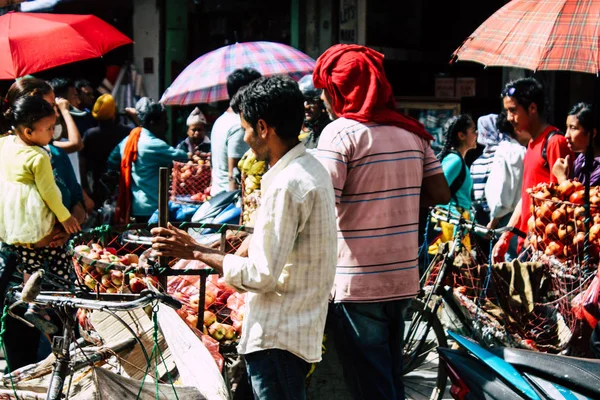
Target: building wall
x=146 y=28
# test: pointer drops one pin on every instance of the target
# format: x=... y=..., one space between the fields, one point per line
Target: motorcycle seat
x=571 y=372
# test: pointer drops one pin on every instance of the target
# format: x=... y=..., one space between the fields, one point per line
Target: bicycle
x=65 y=304
x=425 y=332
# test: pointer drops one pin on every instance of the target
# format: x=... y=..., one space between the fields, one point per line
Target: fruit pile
x=252 y=171
x=557 y=223
x=192 y=179
x=101 y=269
x=223 y=307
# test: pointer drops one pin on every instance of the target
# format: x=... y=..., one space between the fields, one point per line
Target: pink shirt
x=377 y=172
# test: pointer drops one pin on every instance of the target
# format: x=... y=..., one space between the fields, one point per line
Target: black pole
x=163 y=216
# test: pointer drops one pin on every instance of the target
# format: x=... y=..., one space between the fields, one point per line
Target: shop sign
x=348 y=21
x=465 y=87
x=444 y=87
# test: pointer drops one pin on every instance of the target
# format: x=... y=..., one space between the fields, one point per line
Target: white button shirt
x=291 y=261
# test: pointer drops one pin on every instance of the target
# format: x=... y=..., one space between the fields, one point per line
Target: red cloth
x=534 y=171
x=355 y=80
x=130 y=152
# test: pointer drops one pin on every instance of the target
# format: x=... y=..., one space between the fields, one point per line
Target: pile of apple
x=223 y=308
x=105 y=280
x=557 y=223
x=203 y=196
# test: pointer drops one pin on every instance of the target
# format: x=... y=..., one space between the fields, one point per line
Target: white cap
x=196 y=117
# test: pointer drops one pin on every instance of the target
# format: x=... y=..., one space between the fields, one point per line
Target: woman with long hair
x=581 y=129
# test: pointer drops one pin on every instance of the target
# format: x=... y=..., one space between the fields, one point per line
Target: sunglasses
x=510 y=92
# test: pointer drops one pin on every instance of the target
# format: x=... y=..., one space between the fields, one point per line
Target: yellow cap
x=104 y=108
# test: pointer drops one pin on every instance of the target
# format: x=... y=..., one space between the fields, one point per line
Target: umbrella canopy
x=538 y=35
x=30 y=43
x=205 y=80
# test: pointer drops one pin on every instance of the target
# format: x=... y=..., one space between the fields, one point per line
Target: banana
x=250 y=160
x=257 y=169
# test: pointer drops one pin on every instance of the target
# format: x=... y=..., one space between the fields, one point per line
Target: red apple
x=192 y=320
x=111 y=250
x=106 y=281
x=136 y=285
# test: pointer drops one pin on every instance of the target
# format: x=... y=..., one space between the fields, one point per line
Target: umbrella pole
x=163 y=219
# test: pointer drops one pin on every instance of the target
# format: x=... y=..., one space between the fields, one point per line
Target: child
x=197 y=140
x=30 y=201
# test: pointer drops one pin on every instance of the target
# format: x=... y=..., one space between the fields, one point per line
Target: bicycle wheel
x=424 y=376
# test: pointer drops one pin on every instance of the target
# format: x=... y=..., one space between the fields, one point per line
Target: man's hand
x=500 y=248
x=62 y=104
x=173 y=242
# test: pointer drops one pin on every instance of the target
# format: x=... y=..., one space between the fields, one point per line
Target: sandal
x=40 y=319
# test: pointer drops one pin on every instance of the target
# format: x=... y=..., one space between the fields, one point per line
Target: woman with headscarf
x=197 y=139
x=489 y=137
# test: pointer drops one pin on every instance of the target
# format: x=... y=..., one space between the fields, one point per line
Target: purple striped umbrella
x=205 y=80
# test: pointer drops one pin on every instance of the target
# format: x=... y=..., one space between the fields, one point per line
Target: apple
x=209 y=299
x=111 y=290
x=192 y=320
x=124 y=260
x=136 y=285
x=100 y=270
x=93 y=255
x=209 y=318
x=97 y=247
x=194 y=302
x=90 y=282
x=82 y=249
x=111 y=250
x=204 y=330
x=229 y=331
x=217 y=331
x=116 y=277
x=106 y=281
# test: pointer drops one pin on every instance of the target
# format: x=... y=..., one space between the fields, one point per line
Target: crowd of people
x=336 y=237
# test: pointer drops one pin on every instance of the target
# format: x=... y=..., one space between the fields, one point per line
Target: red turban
x=354 y=78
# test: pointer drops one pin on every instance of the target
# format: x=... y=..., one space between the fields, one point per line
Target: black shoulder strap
x=545 y=148
x=459 y=180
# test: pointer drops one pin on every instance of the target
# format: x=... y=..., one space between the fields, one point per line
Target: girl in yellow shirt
x=31 y=201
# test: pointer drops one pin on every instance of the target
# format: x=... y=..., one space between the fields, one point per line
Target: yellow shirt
x=30 y=165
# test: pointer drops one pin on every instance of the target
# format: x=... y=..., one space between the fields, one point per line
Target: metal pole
x=163 y=216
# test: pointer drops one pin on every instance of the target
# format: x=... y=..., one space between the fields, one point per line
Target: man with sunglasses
x=523 y=102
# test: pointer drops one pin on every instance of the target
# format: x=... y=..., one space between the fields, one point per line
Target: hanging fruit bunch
x=557 y=223
x=252 y=171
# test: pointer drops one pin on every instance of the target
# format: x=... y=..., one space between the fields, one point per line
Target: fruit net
x=190 y=180
x=518 y=304
x=108 y=269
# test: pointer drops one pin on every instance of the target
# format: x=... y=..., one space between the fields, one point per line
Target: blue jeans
x=276 y=374
x=369 y=338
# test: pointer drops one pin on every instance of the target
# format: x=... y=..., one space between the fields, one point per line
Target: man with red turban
x=383 y=171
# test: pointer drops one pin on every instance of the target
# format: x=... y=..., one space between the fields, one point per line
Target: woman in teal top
x=460 y=137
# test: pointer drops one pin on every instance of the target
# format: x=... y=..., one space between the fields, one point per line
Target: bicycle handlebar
x=443 y=214
x=76 y=302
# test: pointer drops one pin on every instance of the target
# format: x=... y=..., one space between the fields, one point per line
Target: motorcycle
x=509 y=373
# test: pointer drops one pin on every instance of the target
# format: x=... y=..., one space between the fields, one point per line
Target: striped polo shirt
x=377 y=172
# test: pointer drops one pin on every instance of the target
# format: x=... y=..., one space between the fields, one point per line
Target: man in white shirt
x=291 y=261
x=227 y=137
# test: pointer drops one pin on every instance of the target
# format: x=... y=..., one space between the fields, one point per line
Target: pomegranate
x=594 y=232
x=576 y=197
x=551 y=231
x=554 y=249
x=559 y=216
x=565 y=189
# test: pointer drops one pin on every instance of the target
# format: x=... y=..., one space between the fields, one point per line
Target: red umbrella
x=31 y=42
x=538 y=35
